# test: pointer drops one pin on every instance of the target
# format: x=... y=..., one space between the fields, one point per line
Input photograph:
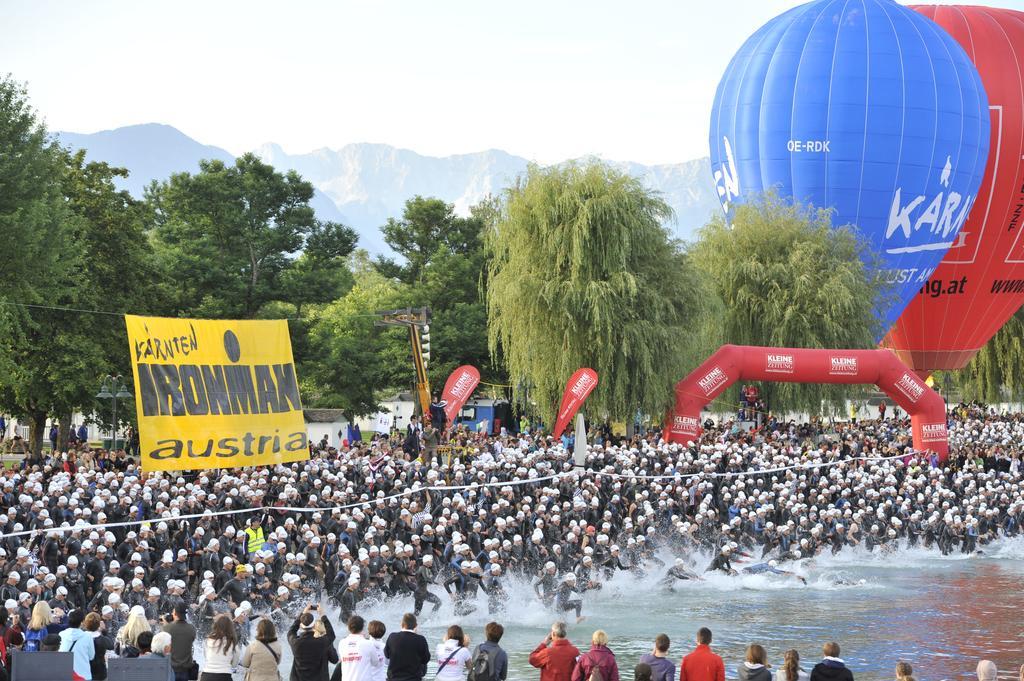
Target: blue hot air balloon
x=865 y=107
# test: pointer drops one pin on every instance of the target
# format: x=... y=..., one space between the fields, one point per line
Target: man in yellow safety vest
x=255 y=535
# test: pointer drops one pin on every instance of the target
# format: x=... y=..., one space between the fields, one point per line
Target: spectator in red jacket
x=702 y=664
x=599 y=656
x=555 y=657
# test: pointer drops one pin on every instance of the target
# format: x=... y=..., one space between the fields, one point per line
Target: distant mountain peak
x=364 y=184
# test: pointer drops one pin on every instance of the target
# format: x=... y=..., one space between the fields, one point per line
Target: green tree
x=230 y=233
x=582 y=273
x=352 y=361
x=787 y=278
x=43 y=268
x=444 y=266
x=32 y=213
x=429 y=228
x=106 y=263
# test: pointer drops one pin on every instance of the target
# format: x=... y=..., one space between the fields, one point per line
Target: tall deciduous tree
x=428 y=229
x=42 y=268
x=33 y=216
x=355 y=360
x=582 y=273
x=787 y=278
x=444 y=264
x=229 y=234
x=101 y=259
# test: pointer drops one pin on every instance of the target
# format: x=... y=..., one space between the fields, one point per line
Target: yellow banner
x=215 y=394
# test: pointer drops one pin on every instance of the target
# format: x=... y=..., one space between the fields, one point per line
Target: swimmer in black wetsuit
x=564 y=601
x=678 y=572
x=721 y=562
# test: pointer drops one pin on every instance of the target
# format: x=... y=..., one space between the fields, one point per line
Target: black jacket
x=310 y=654
x=407 y=655
x=828 y=670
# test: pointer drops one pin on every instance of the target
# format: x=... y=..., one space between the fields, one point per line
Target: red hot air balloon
x=980 y=282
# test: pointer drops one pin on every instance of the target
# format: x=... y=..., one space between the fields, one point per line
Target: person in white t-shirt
x=453 y=655
x=359 y=657
x=376 y=630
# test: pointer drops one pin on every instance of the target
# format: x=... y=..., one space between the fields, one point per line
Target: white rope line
x=442 y=488
x=760 y=471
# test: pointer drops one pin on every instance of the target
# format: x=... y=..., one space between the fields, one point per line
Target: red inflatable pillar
x=733 y=363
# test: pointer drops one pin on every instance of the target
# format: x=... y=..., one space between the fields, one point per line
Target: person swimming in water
x=772 y=568
x=722 y=562
x=678 y=572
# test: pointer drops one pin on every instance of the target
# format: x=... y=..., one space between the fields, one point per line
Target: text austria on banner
x=576 y=390
x=215 y=393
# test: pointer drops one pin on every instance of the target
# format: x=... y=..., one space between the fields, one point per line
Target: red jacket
x=702 y=665
x=556 y=662
x=599 y=656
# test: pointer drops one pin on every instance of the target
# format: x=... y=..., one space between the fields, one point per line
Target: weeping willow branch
x=582 y=273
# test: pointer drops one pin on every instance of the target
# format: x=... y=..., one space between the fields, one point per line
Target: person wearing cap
x=564 y=601
x=349 y=598
x=497 y=597
x=236 y=589
x=771 y=567
x=310 y=653
x=721 y=562
x=678 y=572
x=11 y=588
x=424 y=577
x=546 y=584
x=462 y=587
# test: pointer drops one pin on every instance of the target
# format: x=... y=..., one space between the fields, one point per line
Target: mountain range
x=363 y=185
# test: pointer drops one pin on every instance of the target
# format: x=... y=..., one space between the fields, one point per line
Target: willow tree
x=997 y=371
x=787 y=278
x=581 y=272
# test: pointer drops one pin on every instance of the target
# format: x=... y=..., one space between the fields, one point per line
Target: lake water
x=941 y=614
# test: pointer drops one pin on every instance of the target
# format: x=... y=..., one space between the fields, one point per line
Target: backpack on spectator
x=481 y=667
x=34 y=639
x=595 y=671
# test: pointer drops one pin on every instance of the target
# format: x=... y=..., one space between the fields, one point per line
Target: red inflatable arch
x=734 y=363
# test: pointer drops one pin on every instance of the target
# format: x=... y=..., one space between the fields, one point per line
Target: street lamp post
x=113 y=388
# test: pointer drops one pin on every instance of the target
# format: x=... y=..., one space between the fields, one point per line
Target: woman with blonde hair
x=128 y=636
x=791 y=670
x=40 y=625
x=599 y=656
x=755 y=667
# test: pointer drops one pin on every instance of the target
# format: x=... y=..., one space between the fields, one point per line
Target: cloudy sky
x=546 y=79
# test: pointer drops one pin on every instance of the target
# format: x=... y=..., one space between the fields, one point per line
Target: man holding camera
x=310 y=653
